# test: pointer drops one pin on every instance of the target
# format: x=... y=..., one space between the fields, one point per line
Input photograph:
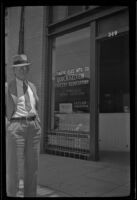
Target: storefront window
x=70 y=110
x=58 y=13
x=91 y=7
x=74 y=9
x=62 y=12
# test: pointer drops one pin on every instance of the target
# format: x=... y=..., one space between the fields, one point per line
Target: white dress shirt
x=21 y=110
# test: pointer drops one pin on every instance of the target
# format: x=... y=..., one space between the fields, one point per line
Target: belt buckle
x=26 y=118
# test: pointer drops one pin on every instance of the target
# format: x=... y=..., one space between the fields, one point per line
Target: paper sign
x=65 y=107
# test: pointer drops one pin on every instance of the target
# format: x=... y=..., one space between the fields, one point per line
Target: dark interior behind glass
x=114 y=75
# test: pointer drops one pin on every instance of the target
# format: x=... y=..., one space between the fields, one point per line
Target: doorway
x=114 y=96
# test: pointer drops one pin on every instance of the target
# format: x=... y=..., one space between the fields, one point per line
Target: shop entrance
x=114 y=95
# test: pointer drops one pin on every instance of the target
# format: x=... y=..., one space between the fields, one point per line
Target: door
x=114 y=94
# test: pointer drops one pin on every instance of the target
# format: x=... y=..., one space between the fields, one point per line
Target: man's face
x=21 y=72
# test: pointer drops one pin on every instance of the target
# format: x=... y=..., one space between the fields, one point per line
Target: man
x=23 y=130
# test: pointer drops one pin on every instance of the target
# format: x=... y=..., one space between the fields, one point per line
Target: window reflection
x=70 y=81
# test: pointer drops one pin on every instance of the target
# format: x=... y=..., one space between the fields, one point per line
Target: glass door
x=114 y=94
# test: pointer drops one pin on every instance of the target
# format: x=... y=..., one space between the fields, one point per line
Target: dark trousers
x=22 y=154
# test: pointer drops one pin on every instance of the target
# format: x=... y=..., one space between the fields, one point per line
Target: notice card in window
x=65 y=107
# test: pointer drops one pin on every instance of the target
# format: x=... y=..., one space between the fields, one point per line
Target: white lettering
x=113 y=33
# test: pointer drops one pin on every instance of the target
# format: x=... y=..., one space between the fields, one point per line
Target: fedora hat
x=20 y=60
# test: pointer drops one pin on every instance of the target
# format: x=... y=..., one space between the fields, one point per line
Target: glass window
x=61 y=12
x=58 y=13
x=71 y=81
x=90 y=7
x=74 y=9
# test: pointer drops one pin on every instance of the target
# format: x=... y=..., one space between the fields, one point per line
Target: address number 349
x=113 y=33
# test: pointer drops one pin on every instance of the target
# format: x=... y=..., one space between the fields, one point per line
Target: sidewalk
x=68 y=177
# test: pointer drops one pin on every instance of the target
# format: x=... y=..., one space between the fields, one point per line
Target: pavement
x=61 y=176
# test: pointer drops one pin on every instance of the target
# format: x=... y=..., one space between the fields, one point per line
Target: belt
x=29 y=118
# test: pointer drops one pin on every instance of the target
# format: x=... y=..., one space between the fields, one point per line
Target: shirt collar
x=20 y=82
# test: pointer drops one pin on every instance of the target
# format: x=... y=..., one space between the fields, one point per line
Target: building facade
x=80 y=65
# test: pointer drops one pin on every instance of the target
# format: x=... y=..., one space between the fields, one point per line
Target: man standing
x=23 y=130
